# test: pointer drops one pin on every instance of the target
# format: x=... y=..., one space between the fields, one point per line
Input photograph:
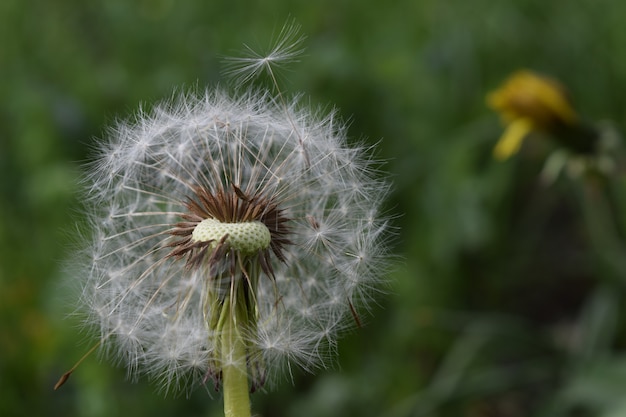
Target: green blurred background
x=508 y=296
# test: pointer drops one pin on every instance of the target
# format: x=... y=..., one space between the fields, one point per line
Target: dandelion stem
x=601 y=209
x=234 y=372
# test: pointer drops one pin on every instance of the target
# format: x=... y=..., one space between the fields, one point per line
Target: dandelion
x=531 y=103
x=233 y=238
x=528 y=102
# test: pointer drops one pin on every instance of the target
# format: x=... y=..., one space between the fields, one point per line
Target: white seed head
x=246 y=237
x=209 y=184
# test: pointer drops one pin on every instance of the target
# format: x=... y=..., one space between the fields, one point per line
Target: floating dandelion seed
x=233 y=237
x=286 y=49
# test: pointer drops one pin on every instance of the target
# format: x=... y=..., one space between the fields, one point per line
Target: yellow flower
x=529 y=102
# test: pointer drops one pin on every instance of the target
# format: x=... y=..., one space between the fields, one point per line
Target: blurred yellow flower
x=529 y=102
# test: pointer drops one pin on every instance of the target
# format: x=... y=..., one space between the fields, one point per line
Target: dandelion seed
x=233 y=238
x=286 y=49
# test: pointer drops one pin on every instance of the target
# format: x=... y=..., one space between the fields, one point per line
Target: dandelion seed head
x=214 y=205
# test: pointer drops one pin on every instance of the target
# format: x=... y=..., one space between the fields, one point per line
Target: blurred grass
x=509 y=299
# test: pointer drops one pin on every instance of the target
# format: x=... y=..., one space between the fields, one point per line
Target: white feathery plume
x=285 y=49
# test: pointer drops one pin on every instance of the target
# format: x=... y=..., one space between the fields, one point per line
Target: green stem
x=601 y=215
x=234 y=368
